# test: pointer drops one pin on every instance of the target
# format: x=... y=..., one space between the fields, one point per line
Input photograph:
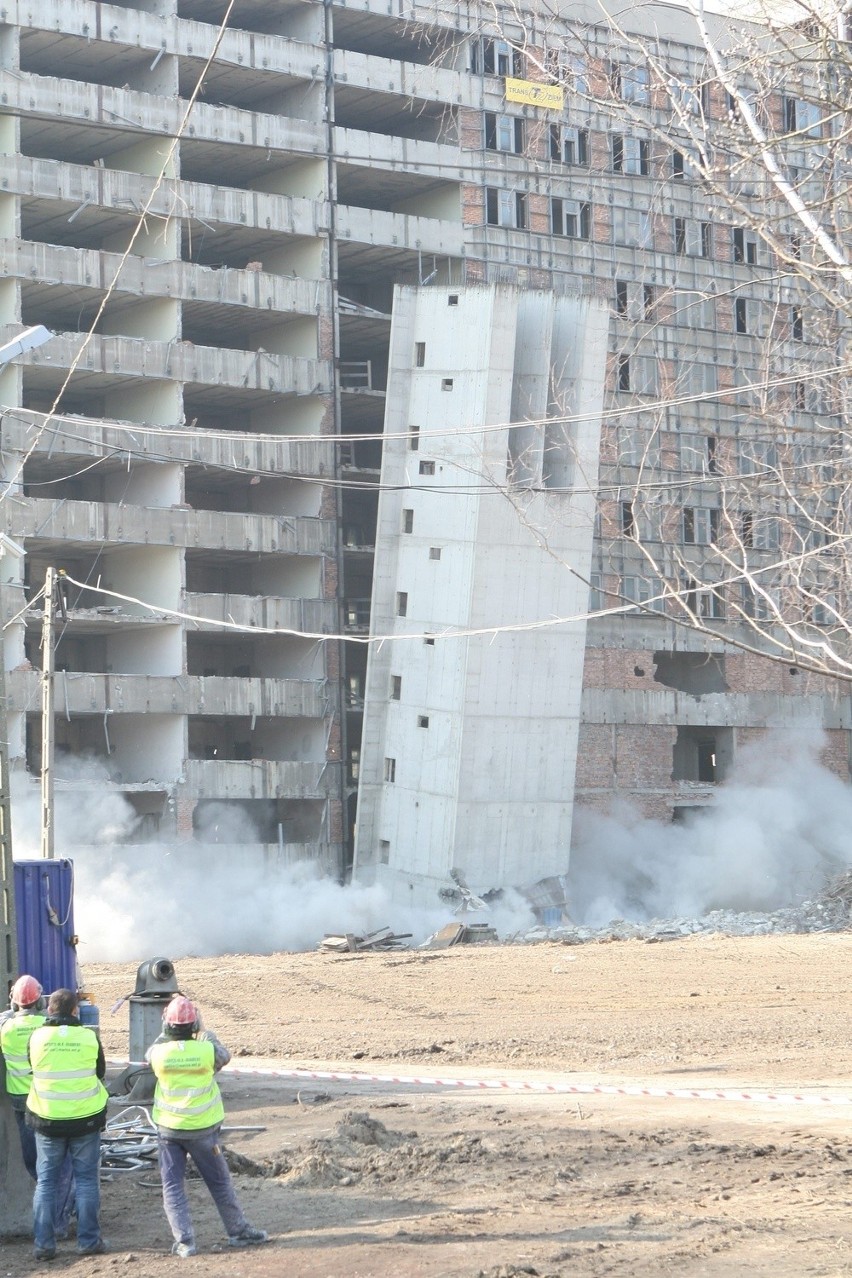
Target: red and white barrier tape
x=527 y=1085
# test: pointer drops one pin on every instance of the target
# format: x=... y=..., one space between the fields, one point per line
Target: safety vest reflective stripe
x=15 y=1035
x=178 y=1103
x=188 y=1109
x=62 y=1073
x=60 y=1093
x=69 y=1096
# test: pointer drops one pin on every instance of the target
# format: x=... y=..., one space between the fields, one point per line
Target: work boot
x=248 y=1236
x=45 y=1253
x=184 y=1250
x=97 y=1249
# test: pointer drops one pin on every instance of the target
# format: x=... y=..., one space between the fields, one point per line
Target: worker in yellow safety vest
x=66 y=1108
x=188 y=1112
x=26 y=1013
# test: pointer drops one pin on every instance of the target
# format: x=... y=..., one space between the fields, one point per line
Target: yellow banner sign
x=549 y=96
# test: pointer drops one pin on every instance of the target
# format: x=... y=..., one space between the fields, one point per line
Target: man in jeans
x=26 y=1013
x=188 y=1112
x=66 y=1108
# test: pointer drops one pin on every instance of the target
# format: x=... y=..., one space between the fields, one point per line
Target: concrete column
x=16 y=1188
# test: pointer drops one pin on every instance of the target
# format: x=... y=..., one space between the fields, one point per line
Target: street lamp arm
x=26 y=341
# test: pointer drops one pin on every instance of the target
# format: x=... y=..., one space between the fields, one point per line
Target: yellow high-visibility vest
x=65 y=1085
x=15 y=1036
x=187 y=1096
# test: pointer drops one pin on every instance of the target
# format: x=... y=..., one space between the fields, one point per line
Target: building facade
x=213 y=223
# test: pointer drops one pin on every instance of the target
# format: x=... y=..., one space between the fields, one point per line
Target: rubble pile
x=362 y=1149
x=829 y=912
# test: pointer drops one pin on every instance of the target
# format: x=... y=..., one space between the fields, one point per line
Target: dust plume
x=210 y=895
x=775 y=834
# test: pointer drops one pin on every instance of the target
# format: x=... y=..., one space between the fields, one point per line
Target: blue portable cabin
x=44 y=908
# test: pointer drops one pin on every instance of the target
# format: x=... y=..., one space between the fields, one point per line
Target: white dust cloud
x=198 y=897
x=777 y=832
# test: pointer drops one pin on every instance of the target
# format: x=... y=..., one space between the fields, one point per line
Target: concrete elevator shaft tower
x=486 y=522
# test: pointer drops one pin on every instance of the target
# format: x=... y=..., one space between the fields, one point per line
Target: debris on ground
x=460 y=934
x=361 y=1148
x=829 y=912
x=349 y=943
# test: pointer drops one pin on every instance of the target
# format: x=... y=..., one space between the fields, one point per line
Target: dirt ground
x=360 y=1179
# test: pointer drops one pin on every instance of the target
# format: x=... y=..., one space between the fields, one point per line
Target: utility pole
x=47 y=751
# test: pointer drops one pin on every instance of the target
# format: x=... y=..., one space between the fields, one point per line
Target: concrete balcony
x=117 y=28
x=111 y=360
x=260 y=857
x=76 y=102
x=406 y=79
x=83 y=437
x=88 y=523
x=379 y=9
x=734 y=709
x=311 y=616
x=127 y=192
x=400 y=230
x=78 y=693
x=254 y=779
x=441 y=163
x=142 y=277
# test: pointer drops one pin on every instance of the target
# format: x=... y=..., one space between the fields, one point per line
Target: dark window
x=677 y=164
x=741 y=315
x=680 y=235
x=623 y=379
x=628 y=521
x=420 y=354
x=504 y=132
x=571 y=219
x=408 y=521
x=648 y=301
x=617 y=153
x=712 y=463
x=706 y=239
x=423 y=721
x=434 y=552
x=427 y=468
x=706 y=760
x=745 y=247
x=747 y=529
x=492 y=206
x=396 y=687
x=414 y=438
x=569 y=145
x=496 y=57
x=621 y=300
x=797 y=324
x=402 y=603
x=390 y=769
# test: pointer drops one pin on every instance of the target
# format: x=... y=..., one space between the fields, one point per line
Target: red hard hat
x=180 y=1011
x=25 y=991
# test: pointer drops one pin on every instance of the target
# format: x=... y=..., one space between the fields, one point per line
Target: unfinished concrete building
x=216 y=247
x=472 y=710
